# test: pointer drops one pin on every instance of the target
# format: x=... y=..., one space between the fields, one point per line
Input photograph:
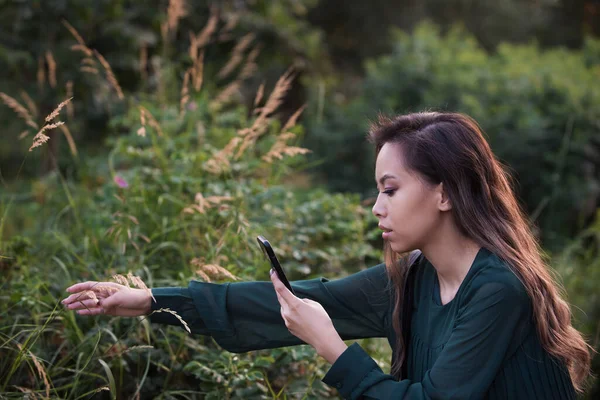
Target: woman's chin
x=398 y=248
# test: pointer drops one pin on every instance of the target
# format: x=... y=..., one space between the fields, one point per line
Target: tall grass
x=186 y=186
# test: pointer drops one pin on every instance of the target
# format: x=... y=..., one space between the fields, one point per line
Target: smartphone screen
x=270 y=254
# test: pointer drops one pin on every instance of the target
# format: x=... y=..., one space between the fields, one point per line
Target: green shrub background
x=124 y=202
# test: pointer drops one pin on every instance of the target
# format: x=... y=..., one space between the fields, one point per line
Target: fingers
x=282 y=291
x=91 y=311
x=78 y=287
x=120 y=312
x=75 y=297
x=77 y=305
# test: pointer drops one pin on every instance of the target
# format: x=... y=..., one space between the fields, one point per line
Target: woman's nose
x=378 y=209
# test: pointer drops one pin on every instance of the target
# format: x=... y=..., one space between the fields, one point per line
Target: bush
x=186 y=184
x=539 y=110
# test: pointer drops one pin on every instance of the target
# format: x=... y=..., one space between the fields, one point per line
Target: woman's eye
x=389 y=192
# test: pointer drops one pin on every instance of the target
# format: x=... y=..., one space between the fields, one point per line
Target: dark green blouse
x=480 y=345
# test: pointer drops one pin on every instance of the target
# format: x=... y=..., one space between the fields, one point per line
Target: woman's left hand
x=307 y=320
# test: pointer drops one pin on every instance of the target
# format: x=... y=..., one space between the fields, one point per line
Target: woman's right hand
x=93 y=298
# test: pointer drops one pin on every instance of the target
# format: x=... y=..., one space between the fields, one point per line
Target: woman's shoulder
x=492 y=276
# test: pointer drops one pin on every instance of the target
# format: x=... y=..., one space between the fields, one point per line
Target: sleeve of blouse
x=481 y=340
x=244 y=316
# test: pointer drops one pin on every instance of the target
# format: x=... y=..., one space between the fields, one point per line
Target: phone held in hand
x=268 y=251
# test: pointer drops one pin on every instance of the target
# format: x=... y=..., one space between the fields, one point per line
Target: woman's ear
x=444 y=203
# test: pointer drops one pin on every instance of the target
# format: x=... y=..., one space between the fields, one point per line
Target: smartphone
x=270 y=254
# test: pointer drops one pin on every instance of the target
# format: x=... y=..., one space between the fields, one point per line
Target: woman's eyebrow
x=385 y=177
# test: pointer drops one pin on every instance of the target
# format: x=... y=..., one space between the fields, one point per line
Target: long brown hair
x=451 y=148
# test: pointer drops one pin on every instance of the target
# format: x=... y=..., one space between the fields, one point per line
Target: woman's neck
x=452 y=257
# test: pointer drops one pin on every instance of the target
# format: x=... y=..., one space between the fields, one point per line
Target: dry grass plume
x=110 y=76
x=185 y=94
x=211 y=271
x=69 y=137
x=19 y=109
x=70 y=107
x=177 y=9
x=40 y=370
x=51 y=68
x=174 y=313
x=30 y=103
x=237 y=55
x=146 y=118
x=41 y=73
x=40 y=138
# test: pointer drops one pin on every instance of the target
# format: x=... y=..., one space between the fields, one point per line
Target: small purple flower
x=122 y=183
x=192 y=106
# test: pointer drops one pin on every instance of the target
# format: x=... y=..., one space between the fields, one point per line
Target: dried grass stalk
x=69 y=138
x=110 y=76
x=74 y=32
x=138 y=282
x=140 y=347
x=204 y=276
x=280 y=150
x=164 y=31
x=51 y=68
x=211 y=270
x=232 y=21
x=259 y=94
x=101 y=389
x=142 y=130
x=150 y=120
x=40 y=138
x=89 y=61
x=106 y=290
x=88 y=295
x=30 y=103
x=23 y=134
x=226 y=95
x=198 y=72
x=82 y=48
x=21 y=111
x=237 y=55
x=89 y=70
x=220 y=160
x=211 y=26
x=70 y=107
x=250 y=67
x=41 y=73
x=168 y=310
x=261 y=123
x=56 y=111
x=144 y=61
x=201 y=204
x=120 y=279
x=185 y=95
x=291 y=122
x=193 y=50
x=40 y=369
x=176 y=11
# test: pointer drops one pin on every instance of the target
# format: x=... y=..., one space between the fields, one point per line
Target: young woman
x=476 y=315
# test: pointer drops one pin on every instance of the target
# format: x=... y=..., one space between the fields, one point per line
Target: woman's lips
x=386 y=235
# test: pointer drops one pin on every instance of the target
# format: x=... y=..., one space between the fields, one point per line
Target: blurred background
x=194 y=126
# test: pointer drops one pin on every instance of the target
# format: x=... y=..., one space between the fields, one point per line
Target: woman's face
x=408 y=209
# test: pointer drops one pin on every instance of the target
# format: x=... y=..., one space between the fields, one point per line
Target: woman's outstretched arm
x=245 y=316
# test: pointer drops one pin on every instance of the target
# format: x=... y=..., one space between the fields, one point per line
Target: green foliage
x=154 y=231
x=122 y=31
x=538 y=108
x=185 y=184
